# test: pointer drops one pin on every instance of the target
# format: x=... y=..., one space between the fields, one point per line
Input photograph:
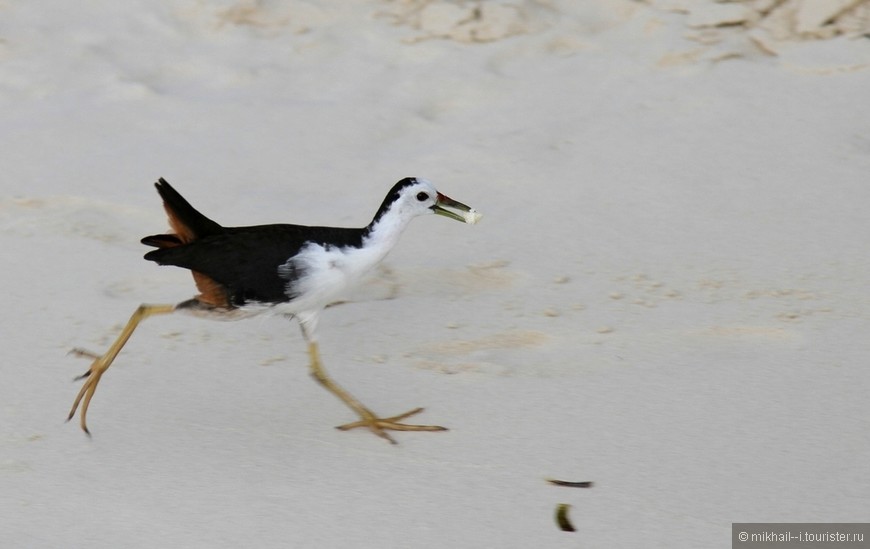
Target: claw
x=379 y=426
x=83 y=376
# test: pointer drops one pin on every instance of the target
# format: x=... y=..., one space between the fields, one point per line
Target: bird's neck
x=384 y=231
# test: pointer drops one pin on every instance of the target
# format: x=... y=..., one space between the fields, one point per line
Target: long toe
x=379 y=426
x=92 y=379
x=84 y=353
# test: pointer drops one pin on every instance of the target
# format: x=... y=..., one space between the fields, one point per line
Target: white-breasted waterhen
x=290 y=270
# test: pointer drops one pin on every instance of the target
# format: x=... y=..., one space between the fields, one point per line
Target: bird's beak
x=467 y=215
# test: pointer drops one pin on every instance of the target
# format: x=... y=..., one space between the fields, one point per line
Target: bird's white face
x=421 y=198
x=416 y=199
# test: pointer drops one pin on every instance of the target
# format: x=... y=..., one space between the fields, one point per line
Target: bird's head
x=413 y=196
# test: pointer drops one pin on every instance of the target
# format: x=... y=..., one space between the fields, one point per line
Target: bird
x=283 y=269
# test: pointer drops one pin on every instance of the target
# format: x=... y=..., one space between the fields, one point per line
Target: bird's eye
x=422 y=197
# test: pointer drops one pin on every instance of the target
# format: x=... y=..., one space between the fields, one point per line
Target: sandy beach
x=667 y=295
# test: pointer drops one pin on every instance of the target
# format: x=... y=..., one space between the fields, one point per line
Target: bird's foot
x=102 y=362
x=380 y=426
x=92 y=377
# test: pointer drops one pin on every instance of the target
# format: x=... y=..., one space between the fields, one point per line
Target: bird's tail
x=187 y=223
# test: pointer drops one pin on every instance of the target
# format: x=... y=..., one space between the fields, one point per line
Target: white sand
x=667 y=296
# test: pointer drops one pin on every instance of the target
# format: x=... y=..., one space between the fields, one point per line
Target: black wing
x=245 y=260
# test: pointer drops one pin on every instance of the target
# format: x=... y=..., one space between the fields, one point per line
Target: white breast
x=320 y=275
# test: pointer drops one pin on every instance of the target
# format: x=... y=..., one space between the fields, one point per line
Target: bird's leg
x=101 y=363
x=369 y=420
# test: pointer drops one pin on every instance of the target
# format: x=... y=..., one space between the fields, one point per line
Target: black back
x=244 y=260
